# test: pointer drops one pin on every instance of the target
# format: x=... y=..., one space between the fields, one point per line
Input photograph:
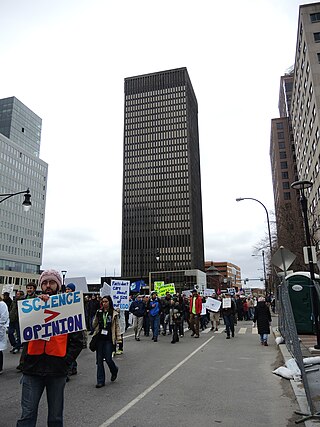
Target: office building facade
x=230 y=273
x=21 y=233
x=305 y=109
x=289 y=223
x=162 y=226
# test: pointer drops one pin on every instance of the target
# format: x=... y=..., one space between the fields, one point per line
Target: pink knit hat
x=51 y=275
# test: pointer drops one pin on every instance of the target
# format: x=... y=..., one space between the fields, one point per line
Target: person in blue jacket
x=154 y=313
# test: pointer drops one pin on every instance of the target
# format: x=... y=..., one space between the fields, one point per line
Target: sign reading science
x=61 y=314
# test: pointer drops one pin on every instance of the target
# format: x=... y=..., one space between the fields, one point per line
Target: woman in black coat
x=262 y=316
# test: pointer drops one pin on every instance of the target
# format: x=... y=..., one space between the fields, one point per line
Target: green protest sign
x=157 y=285
x=169 y=287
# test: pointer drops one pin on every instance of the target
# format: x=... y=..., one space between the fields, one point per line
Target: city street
x=203 y=382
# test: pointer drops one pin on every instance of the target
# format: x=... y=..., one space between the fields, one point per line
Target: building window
x=283 y=165
x=316 y=37
x=283 y=155
x=285 y=185
x=279 y=125
x=314 y=17
x=284 y=175
x=287 y=196
x=282 y=145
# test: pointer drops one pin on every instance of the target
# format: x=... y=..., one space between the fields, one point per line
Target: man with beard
x=45 y=365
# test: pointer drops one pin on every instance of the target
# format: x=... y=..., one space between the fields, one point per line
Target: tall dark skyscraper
x=162 y=226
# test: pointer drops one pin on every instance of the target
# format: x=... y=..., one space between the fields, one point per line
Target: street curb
x=297 y=386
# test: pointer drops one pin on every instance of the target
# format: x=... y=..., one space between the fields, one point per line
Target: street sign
x=283 y=258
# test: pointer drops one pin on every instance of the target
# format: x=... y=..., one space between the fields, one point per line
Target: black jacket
x=137 y=308
x=262 y=316
x=45 y=365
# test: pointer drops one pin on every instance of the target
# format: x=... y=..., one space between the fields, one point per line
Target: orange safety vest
x=56 y=346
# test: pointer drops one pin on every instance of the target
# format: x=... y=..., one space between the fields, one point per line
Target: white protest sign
x=105 y=290
x=209 y=292
x=9 y=289
x=204 y=309
x=213 y=304
x=226 y=303
x=61 y=314
x=120 y=294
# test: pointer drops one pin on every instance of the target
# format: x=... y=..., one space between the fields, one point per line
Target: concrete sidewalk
x=307 y=343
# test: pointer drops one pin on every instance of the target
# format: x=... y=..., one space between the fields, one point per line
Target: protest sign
x=187 y=293
x=213 y=304
x=226 y=303
x=120 y=294
x=9 y=289
x=157 y=286
x=105 y=290
x=163 y=289
x=61 y=314
x=204 y=309
x=208 y=292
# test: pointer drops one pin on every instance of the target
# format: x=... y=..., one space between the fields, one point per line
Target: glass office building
x=20 y=124
x=162 y=226
x=21 y=233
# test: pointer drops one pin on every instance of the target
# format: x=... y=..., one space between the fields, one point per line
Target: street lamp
x=301 y=186
x=26 y=202
x=63 y=287
x=239 y=199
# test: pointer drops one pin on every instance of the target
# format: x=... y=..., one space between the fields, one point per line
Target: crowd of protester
x=149 y=315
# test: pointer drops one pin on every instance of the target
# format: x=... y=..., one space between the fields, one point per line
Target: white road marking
x=242 y=331
x=254 y=330
x=122 y=411
x=128 y=336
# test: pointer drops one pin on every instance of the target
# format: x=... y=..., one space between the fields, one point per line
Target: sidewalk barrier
x=288 y=330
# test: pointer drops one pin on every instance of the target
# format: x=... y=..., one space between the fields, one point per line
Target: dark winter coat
x=137 y=308
x=262 y=316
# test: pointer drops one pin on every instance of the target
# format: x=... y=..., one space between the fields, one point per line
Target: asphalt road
x=197 y=382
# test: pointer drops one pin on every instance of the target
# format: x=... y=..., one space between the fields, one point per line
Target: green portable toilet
x=300 y=293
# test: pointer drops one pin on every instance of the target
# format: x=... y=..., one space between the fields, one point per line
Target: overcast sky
x=67 y=60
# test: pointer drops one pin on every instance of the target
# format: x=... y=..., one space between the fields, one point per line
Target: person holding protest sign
x=195 y=308
x=45 y=365
x=228 y=311
x=107 y=328
x=214 y=313
x=4 y=321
